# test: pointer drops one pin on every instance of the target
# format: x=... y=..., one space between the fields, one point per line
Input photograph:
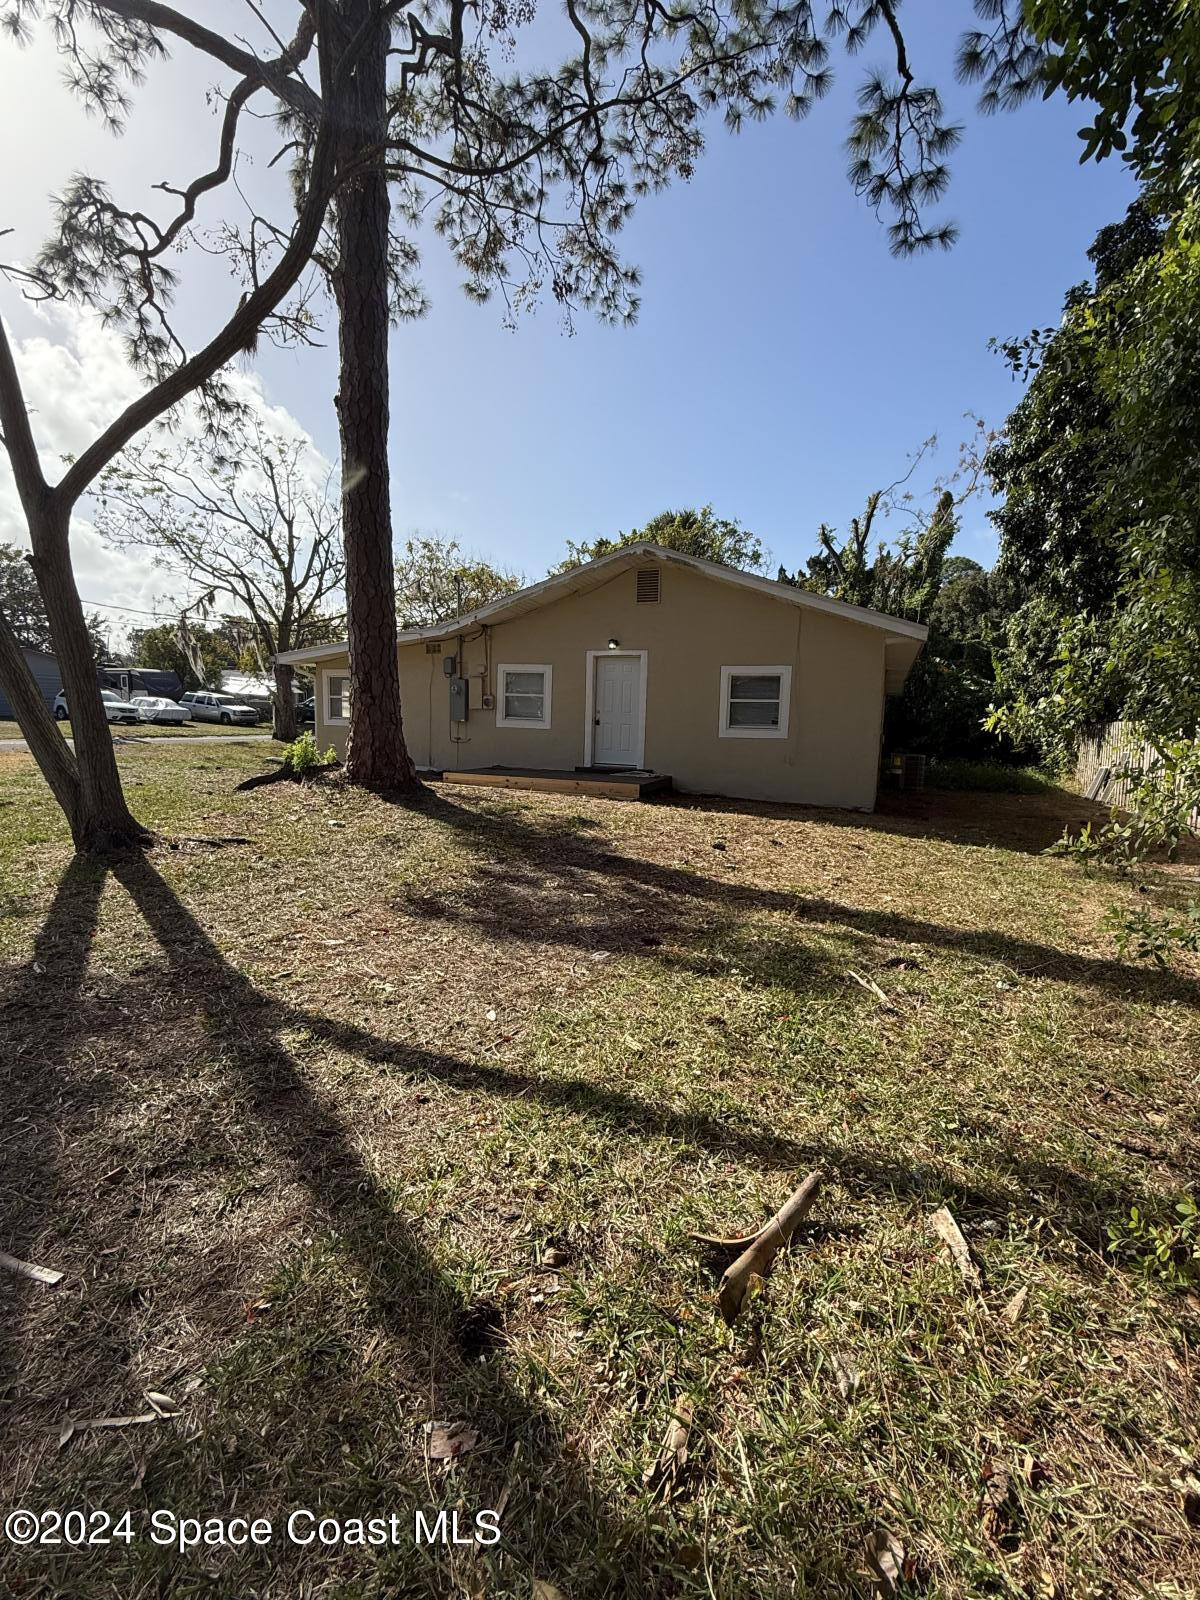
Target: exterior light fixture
x=613 y=643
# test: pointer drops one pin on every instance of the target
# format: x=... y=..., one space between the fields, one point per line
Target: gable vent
x=649 y=591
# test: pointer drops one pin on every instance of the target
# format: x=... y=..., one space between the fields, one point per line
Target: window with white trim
x=337 y=697
x=755 y=702
x=523 y=695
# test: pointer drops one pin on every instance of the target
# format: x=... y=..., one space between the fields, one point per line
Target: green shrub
x=1169 y=1251
x=302 y=759
x=1145 y=937
x=1157 y=815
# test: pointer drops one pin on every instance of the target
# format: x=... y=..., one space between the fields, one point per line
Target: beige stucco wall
x=829 y=757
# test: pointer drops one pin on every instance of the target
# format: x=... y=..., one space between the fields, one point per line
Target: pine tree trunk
x=102 y=821
x=376 y=756
x=283 y=712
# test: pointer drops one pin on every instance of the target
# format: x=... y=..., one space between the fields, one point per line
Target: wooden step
x=611 y=785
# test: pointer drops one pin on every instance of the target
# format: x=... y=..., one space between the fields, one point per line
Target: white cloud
x=76 y=381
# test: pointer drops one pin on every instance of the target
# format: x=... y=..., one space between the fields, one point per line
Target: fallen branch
x=944 y=1225
x=872 y=987
x=73 y=1425
x=758 y=1250
x=205 y=841
x=662 y=1477
x=26 y=1269
x=162 y=1409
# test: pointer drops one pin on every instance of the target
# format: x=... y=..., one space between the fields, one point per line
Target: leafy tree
x=902 y=580
x=693 y=533
x=435 y=581
x=1061 y=461
x=255 y=523
x=1143 y=333
x=162 y=648
x=1137 y=63
x=948 y=693
x=117 y=260
x=22 y=604
x=1066 y=473
x=1134 y=652
x=965 y=605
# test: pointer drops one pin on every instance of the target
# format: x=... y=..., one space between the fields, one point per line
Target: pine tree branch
x=234 y=336
x=277 y=74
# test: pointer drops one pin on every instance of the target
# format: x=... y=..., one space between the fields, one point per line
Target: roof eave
x=587 y=576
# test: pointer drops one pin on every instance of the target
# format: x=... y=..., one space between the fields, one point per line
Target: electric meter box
x=459 y=699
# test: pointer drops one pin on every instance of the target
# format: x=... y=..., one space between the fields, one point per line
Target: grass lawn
x=392 y=1117
x=987 y=775
x=146 y=730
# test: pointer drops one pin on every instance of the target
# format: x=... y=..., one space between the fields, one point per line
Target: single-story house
x=648 y=659
x=44 y=667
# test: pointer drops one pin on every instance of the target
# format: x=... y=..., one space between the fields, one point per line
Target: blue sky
x=783 y=363
x=782 y=367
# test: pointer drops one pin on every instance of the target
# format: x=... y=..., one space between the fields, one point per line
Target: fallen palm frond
x=665 y=1472
x=27 y=1269
x=759 y=1249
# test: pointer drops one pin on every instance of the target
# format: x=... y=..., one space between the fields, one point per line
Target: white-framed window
x=755 y=702
x=337 y=697
x=523 y=695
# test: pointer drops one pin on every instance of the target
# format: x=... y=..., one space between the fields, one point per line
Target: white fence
x=1117 y=745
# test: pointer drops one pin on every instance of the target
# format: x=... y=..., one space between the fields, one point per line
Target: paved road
x=162 y=738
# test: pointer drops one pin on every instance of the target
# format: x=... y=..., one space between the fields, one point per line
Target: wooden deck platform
x=622 y=784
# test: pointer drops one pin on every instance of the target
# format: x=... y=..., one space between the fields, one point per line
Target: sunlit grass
x=302 y=1118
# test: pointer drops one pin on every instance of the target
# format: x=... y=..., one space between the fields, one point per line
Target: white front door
x=617 y=712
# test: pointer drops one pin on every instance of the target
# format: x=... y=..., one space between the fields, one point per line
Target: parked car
x=208 y=707
x=306 y=710
x=156 y=708
x=115 y=709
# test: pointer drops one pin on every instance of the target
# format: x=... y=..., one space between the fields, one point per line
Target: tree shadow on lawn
x=1026 y=823
x=44 y=1019
x=602 y=900
x=623 y=904
x=1023 y=1177
x=557 y=1522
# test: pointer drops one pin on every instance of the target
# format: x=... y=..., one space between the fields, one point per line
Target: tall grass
x=990 y=776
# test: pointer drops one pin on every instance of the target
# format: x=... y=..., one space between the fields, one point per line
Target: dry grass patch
x=394 y=1116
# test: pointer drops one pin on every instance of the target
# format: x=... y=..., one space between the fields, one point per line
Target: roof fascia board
x=584 y=577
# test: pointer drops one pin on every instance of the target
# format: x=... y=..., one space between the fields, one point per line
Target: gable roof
x=902 y=639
